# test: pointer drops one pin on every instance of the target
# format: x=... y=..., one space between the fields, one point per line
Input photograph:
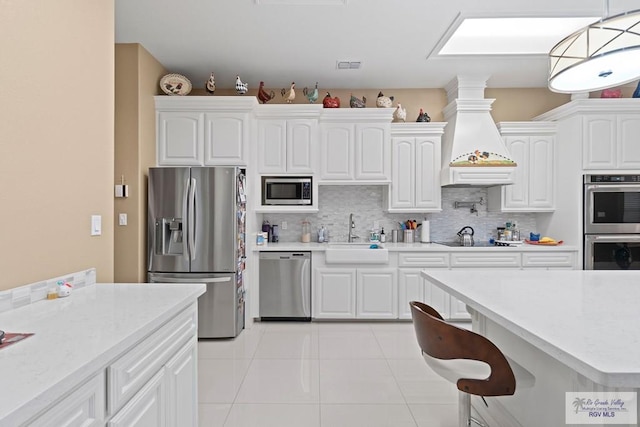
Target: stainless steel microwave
x=287 y=190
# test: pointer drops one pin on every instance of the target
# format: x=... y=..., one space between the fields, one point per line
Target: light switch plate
x=96 y=225
x=122 y=219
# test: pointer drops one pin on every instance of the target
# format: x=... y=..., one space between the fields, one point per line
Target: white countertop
x=75 y=337
x=587 y=320
x=414 y=247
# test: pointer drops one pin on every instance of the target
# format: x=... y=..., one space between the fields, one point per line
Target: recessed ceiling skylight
x=509 y=36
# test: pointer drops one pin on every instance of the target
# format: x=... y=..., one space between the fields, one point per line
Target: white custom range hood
x=473 y=152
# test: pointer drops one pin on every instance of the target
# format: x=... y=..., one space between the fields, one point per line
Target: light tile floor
x=290 y=374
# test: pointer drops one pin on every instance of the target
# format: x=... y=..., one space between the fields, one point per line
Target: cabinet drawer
x=423 y=259
x=485 y=260
x=548 y=260
x=129 y=373
x=83 y=407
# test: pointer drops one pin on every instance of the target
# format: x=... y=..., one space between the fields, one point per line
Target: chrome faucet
x=352 y=225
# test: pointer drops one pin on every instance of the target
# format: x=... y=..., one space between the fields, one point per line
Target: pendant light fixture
x=602 y=55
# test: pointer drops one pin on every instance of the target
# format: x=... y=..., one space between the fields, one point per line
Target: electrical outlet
x=284 y=225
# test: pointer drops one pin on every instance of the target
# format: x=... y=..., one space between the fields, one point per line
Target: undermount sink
x=355 y=253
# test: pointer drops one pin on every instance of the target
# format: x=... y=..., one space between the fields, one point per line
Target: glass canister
x=306 y=232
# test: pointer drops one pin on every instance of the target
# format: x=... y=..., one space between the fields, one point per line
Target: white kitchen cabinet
x=610 y=141
x=287 y=146
x=470 y=259
x=561 y=260
x=85 y=407
x=415 y=167
x=376 y=293
x=146 y=408
x=532 y=146
x=203 y=130
x=181 y=373
x=334 y=291
x=355 y=146
x=413 y=287
x=180 y=136
x=226 y=138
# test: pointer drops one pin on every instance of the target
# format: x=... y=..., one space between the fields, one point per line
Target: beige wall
x=512 y=104
x=56 y=139
x=137 y=76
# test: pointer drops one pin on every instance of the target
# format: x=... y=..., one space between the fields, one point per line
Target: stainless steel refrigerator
x=196 y=234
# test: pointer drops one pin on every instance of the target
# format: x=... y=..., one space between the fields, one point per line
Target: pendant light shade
x=603 y=55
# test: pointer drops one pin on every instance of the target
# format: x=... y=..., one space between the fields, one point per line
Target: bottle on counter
x=306 y=232
x=383 y=238
x=321 y=234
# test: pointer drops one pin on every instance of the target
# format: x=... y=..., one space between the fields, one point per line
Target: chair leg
x=464 y=411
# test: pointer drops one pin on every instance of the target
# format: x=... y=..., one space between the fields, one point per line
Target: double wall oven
x=612 y=222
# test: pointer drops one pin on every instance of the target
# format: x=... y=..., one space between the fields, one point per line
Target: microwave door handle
x=612 y=187
x=192 y=218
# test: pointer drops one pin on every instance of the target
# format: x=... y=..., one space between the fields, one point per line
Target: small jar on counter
x=306 y=232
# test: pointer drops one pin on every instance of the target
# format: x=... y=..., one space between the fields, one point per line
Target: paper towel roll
x=425 y=233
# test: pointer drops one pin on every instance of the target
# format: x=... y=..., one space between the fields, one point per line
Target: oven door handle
x=612 y=187
x=621 y=238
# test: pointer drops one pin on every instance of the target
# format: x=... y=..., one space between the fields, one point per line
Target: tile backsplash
x=366 y=203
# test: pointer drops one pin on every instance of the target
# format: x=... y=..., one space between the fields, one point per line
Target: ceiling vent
x=348 y=65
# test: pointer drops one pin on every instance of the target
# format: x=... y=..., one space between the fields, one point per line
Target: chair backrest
x=442 y=340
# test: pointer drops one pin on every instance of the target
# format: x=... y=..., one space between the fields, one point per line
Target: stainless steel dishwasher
x=285 y=286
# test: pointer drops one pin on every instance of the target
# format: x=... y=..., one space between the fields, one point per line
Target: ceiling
x=302 y=41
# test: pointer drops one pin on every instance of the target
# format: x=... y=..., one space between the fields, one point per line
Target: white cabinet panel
x=301 y=142
x=146 y=408
x=427 y=169
x=599 y=143
x=403 y=176
x=423 y=259
x=628 y=131
x=541 y=172
x=272 y=141
x=226 y=138
x=549 y=260
x=334 y=293
x=286 y=146
x=485 y=260
x=336 y=151
x=377 y=293
x=179 y=138
x=182 y=387
x=83 y=407
x=458 y=309
x=410 y=288
x=372 y=157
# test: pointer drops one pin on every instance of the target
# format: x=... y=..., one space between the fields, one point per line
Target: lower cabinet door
x=146 y=408
x=377 y=294
x=458 y=310
x=410 y=288
x=182 y=387
x=334 y=293
x=84 y=407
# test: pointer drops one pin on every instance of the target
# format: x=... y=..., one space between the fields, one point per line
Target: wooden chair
x=467 y=359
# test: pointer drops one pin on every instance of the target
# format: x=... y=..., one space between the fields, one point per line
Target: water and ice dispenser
x=169 y=236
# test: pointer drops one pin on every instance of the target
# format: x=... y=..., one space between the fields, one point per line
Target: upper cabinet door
x=180 y=137
x=628 y=133
x=516 y=194
x=272 y=150
x=403 y=182
x=599 y=143
x=541 y=193
x=226 y=139
x=372 y=152
x=301 y=143
x=427 y=172
x=336 y=151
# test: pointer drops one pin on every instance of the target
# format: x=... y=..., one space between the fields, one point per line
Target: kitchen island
x=575 y=331
x=98 y=353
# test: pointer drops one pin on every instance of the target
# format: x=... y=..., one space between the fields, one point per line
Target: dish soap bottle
x=321 y=234
x=383 y=238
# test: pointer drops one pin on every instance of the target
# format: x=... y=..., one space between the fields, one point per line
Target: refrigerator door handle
x=192 y=216
x=185 y=212
x=181 y=280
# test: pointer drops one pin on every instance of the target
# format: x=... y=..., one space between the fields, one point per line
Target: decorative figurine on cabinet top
x=312 y=96
x=636 y=93
x=329 y=102
x=289 y=95
x=263 y=95
x=400 y=114
x=241 y=88
x=357 y=103
x=210 y=86
x=611 y=93
x=175 y=84
x=384 y=101
x=423 y=117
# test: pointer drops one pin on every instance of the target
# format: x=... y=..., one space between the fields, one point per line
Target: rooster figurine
x=357 y=103
x=423 y=117
x=384 y=101
x=312 y=96
x=400 y=114
x=241 y=88
x=210 y=86
x=263 y=95
x=289 y=95
x=329 y=102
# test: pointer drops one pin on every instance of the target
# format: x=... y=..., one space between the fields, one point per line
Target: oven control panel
x=603 y=179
